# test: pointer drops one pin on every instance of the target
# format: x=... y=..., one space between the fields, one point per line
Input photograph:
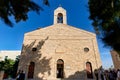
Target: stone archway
x=60 y=18
x=31 y=70
x=60 y=68
x=89 y=70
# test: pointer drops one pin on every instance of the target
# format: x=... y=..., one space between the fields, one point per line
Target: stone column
x=1 y=75
x=26 y=71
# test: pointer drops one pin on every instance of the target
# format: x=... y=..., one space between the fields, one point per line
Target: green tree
x=7 y=66
x=105 y=15
x=10 y=66
x=15 y=67
x=18 y=9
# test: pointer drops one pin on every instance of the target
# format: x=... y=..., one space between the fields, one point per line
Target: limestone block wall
x=1 y=75
x=68 y=48
x=116 y=59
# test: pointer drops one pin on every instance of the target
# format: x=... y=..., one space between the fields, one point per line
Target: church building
x=59 y=52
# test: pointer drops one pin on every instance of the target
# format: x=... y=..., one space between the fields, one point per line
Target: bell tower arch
x=60 y=16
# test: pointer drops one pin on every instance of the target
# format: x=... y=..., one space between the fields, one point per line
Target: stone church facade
x=59 y=52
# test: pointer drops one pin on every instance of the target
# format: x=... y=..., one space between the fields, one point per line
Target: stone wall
x=116 y=59
x=71 y=51
x=55 y=42
x=1 y=75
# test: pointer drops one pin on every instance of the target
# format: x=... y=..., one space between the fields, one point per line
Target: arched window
x=60 y=68
x=60 y=18
x=31 y=70
x=89 y=70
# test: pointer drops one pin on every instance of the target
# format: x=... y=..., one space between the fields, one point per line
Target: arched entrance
x=60 y=68
x=60 y=18
x=89 y=70
x=31 y=70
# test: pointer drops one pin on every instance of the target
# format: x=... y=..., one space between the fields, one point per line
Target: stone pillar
x=26 y=71
x=1 y=75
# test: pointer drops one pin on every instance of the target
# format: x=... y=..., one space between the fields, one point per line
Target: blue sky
x=77 y=16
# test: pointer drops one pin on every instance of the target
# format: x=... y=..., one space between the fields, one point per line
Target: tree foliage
x=18 y=9
x=106 y=21
x=15 y=67
x=9 y=66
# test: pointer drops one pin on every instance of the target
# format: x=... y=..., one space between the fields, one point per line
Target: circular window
x=86 y=49
x=34 y=49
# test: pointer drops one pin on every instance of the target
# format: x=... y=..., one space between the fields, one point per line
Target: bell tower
x=60 y=16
